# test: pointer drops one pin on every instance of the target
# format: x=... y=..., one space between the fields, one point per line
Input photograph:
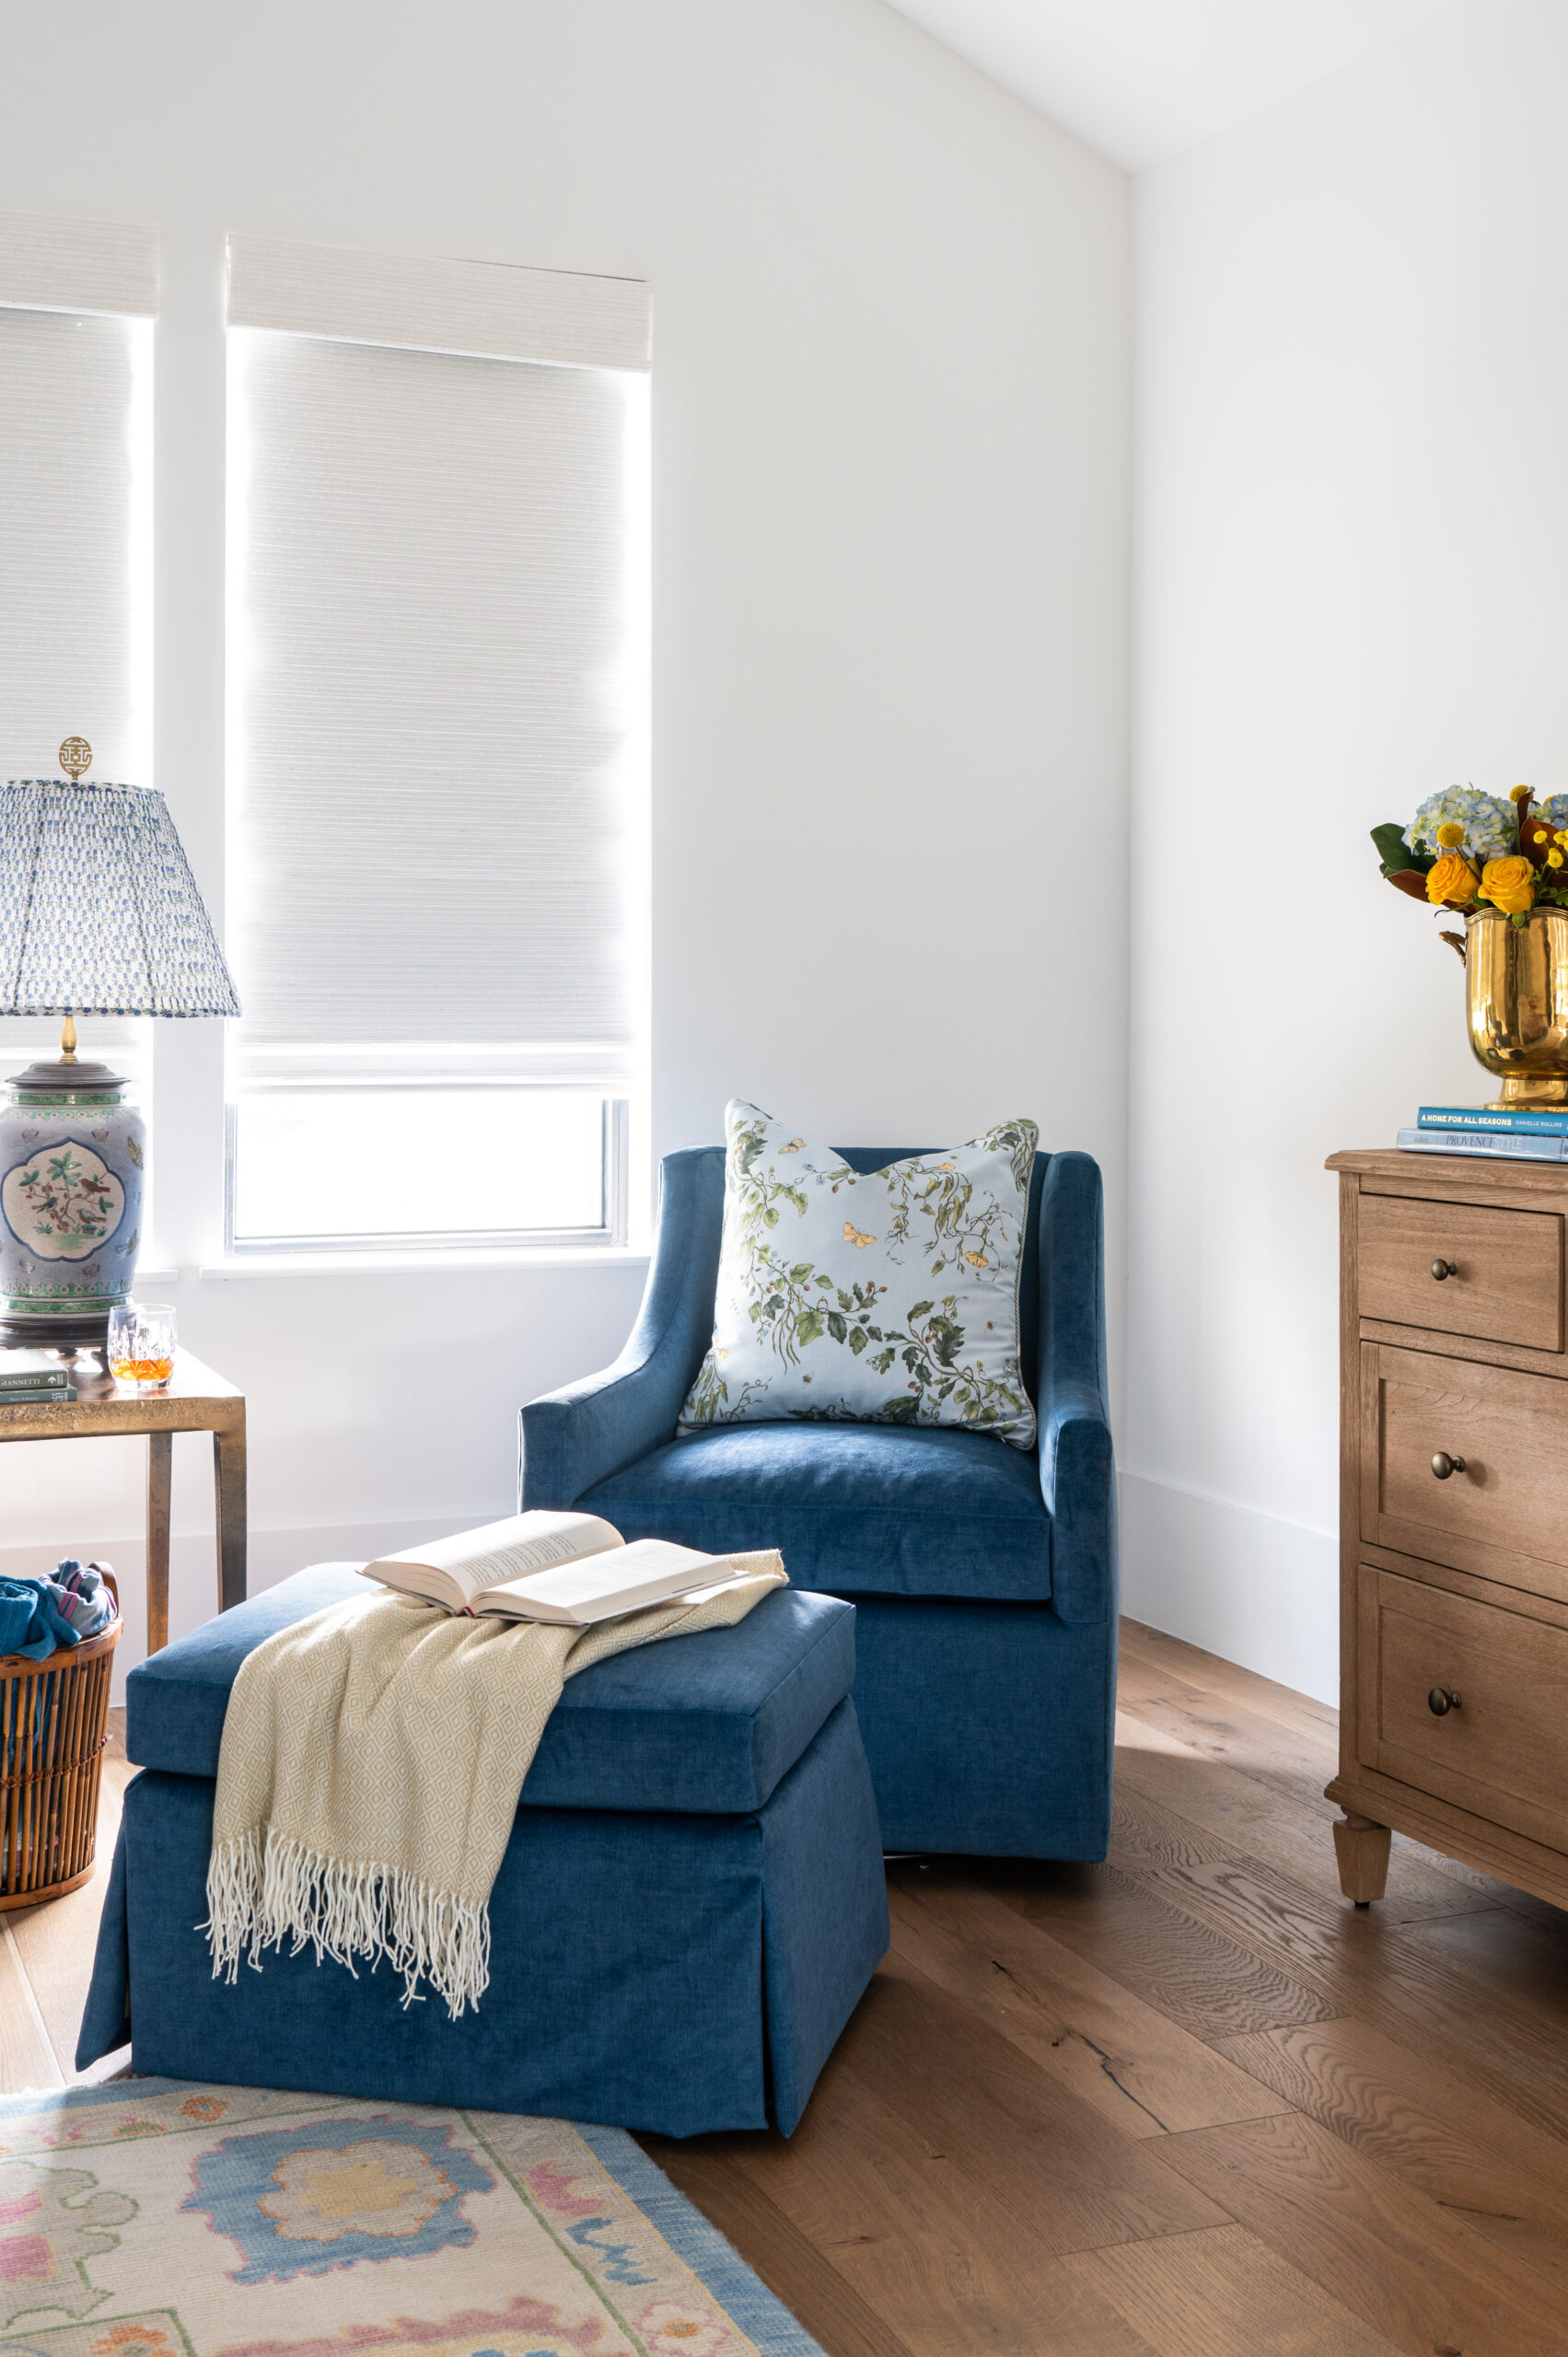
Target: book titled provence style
x=1511 y=1145
x=573 y=1569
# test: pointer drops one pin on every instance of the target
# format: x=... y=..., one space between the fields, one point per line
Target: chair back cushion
x=884 y=1295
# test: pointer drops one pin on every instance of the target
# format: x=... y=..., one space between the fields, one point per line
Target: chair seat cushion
x=859 y=1509
x=704 y=1723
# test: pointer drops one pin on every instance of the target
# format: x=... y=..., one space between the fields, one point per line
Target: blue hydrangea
x=1491 y=827
x=1554 y=811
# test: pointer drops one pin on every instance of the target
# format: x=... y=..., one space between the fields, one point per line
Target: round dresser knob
x=1441 y=1700
x=1443 y=1465
x=1441 y=1269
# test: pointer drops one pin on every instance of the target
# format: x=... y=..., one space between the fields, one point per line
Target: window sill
x=397 y=1263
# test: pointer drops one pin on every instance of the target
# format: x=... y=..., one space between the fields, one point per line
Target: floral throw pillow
x=888 y=1297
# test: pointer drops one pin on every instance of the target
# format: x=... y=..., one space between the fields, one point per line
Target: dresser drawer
x=1506 y=1285
x=1499 y=1750
x=1499 y=1513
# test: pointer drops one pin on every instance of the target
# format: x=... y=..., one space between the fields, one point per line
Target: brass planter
x=1516 y=998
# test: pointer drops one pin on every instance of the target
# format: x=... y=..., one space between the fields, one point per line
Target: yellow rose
x=1509 y=884
x=1453 y=878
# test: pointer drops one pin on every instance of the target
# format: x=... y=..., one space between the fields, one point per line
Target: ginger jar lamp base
x=73 y=1161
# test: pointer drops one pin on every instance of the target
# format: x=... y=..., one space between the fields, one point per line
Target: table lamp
x=99 y=914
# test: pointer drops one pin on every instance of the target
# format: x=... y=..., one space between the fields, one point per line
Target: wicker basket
x=53 y=1727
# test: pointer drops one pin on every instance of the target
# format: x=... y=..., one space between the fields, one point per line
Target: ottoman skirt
x=672 y=1972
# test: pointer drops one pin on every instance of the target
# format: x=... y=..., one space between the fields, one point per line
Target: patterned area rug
x=151 y=2218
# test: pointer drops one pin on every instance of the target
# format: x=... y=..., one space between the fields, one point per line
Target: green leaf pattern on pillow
x=882 y=1297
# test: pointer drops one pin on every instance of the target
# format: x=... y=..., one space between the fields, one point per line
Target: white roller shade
x=76 y=526
x=76 y=537
x=435 y=670
x=489 y=310
x=55 y=265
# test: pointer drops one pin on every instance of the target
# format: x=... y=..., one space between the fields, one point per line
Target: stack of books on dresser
x=1524 y=1135
x=33 y=1374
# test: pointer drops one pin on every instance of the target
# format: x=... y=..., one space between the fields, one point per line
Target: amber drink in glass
x=141 y=1343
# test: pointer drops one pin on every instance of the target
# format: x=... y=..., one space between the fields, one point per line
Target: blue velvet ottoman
x=690 y=1908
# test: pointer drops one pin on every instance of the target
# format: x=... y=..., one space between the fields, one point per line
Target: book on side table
x=33 y=1374
x=571 y=1569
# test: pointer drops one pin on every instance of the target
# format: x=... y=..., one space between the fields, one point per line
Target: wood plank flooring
x=46 y=1954
x=1372 y=2109
x=1186 y=2104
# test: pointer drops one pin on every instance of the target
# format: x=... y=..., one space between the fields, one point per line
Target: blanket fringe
x=264 y=1889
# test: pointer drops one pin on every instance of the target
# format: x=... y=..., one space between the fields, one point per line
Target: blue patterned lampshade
x=99 y=913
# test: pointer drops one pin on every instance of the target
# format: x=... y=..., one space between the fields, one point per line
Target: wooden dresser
x=1453 y=1516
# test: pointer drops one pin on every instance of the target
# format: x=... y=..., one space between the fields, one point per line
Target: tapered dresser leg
x=1363 y=1849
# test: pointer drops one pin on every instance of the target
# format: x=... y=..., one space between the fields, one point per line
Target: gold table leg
x=228 y=1478
x=160 y=1459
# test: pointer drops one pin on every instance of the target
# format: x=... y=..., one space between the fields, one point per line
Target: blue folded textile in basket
x=31 y=1623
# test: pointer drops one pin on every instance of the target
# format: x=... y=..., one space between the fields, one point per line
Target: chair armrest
x=573 y=1438
x=1077 y=1463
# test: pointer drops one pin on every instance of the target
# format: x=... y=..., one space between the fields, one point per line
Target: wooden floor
x=1187 y=2104
x=46 y=1955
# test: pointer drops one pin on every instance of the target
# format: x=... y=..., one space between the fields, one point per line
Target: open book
x=568 y=1568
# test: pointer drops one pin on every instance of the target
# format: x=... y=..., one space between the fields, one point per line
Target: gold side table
x=194 y=1399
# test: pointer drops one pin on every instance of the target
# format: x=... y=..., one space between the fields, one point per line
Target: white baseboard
x=192 y=1574
x=1246 y=1586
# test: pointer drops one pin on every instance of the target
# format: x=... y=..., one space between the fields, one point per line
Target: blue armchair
x=983 y=1577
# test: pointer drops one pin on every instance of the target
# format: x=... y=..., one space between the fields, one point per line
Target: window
x=438 y=749
x=76 y=305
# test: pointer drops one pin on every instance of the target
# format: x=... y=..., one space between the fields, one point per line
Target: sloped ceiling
x=1142 y=79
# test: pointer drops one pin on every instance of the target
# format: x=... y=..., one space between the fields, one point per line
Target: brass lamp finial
x=76 y=758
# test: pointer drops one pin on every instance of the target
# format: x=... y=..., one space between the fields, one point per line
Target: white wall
x=891 y=536
x=1352 y=590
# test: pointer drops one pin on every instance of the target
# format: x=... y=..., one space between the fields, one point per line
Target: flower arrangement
x=1463 y=847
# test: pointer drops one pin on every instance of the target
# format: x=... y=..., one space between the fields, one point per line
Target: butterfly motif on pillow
x=857 y=1236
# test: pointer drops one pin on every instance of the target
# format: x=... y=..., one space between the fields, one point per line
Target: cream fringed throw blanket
x=371 y=1764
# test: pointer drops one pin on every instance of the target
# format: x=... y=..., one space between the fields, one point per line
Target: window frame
x=612 y=1234
x=479 y=310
